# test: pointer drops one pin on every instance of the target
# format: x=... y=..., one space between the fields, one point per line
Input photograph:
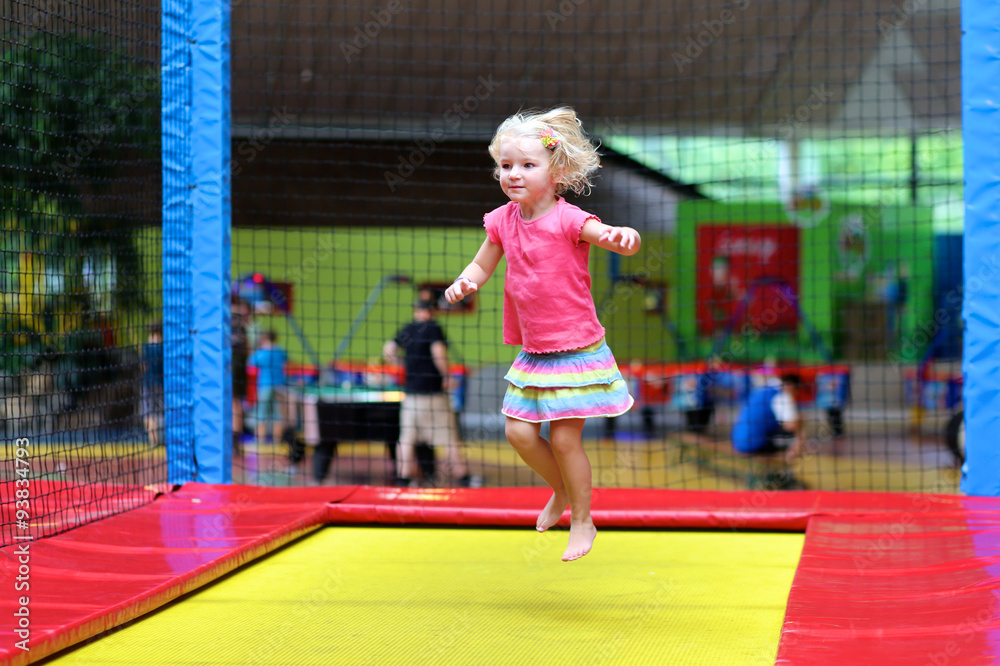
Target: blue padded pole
x=210 y=149
x=175 y=101
x=981 y=306
x=196 y=239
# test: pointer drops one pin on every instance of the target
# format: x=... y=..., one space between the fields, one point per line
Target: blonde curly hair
x=572 y=160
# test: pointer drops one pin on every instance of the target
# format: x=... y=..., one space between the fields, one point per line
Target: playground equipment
x=695 y=387
x=366 y=309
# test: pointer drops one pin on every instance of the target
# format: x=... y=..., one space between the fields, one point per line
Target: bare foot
x=581 y=539
x=552 y=512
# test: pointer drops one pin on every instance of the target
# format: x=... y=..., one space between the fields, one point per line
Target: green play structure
x=855 y=260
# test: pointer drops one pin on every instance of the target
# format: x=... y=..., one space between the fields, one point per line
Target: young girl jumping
x=565 y=372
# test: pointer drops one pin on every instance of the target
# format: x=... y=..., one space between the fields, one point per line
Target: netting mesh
x=794 y=168
x=79 y=182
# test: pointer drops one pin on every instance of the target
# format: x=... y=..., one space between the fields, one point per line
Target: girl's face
x=524 y=172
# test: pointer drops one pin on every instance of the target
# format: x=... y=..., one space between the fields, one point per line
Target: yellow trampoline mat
x=382 y=596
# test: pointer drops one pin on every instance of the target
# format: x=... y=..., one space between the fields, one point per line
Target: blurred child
x=270 y=360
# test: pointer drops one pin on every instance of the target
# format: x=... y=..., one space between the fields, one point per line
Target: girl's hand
x=625 y=237
x=621 y=240
x=459 y=289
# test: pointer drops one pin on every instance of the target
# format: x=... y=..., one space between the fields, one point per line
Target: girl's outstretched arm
x=623 y=240
x=477 y=273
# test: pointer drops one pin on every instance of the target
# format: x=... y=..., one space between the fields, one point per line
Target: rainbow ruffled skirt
x=577 y=384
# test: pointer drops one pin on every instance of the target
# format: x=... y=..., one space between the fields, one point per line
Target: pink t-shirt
x=547 y=303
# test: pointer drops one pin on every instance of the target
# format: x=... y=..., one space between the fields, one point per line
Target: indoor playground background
x=796 y=175
x=798 y=172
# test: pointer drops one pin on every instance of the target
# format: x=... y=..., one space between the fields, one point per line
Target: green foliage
x=69 y=106
x=80 y=118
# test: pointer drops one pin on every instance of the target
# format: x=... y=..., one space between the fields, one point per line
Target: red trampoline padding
x=618 y=507
x=919 y=588
x=103 y=574
x=629 y=507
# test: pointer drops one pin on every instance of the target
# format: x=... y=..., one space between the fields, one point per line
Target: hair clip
x=548 y=140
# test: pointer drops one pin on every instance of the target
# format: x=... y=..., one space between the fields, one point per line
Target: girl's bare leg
x=537 y=453
x=567 y=448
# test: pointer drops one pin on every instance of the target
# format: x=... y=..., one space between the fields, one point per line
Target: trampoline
x=390 y=595
x=359 y=575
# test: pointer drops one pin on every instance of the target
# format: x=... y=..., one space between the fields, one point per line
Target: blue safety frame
x=196 y=129
x=196 y=241
x=981 y=302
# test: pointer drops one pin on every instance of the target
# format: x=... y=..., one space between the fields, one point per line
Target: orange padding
x=884 y=578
